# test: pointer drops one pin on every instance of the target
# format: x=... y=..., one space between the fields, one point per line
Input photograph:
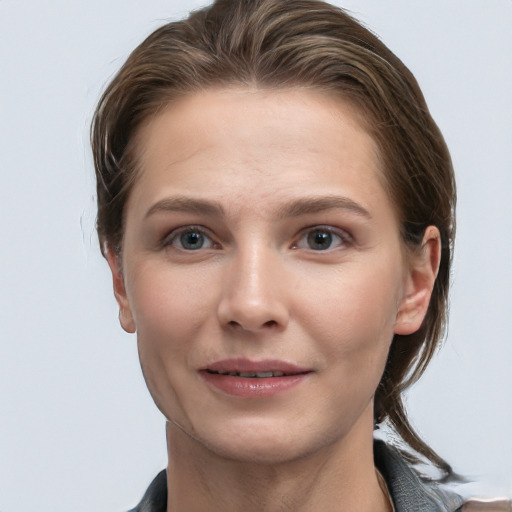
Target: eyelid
x=169 y=239
x=345 y=237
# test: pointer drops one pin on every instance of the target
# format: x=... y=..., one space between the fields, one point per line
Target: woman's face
x=263 y=271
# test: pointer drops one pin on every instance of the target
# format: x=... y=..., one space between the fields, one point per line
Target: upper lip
x=246 y=365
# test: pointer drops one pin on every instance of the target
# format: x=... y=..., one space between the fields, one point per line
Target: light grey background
x=78 y=430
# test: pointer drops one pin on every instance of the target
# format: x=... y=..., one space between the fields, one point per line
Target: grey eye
x=319 y=239
x=188 y=238
x=192 y=240
x=323 y=238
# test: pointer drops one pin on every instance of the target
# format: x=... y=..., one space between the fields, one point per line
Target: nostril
x=235 y=324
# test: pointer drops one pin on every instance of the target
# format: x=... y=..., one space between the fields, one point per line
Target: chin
x=267 y=453
x=263 y=443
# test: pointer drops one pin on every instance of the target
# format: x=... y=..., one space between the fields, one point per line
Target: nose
x=254 y=294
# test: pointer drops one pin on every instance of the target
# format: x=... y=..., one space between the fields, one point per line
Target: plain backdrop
x=78 y=429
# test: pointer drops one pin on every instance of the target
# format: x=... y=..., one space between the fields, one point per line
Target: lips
x=251 y=379
x=241 y=365
x=252 y=375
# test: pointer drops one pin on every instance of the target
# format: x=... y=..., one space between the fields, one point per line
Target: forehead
x=257 y=144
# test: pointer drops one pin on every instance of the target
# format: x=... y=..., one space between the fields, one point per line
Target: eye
x=188 y=239
x=322 y=239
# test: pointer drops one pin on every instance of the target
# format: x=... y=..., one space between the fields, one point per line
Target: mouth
x=254 y=375
x=245 y=368
x=253 y=379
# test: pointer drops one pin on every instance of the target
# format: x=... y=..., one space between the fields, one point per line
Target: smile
x=253 y=379
x=253 y=375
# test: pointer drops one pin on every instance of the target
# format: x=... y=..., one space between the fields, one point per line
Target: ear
x=419 y=283
x=125 y=313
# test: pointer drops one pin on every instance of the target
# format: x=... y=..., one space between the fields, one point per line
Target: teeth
x=247 y=374
x=260 y=375
x=252 y=375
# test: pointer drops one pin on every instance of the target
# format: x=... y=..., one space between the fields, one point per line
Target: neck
x=339 y=477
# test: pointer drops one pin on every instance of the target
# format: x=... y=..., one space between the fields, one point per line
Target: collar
x=407 y=489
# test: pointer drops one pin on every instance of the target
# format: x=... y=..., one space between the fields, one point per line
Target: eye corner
x=322 y=239
x=189 y=239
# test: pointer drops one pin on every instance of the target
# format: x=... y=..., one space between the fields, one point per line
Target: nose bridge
x=253 y=295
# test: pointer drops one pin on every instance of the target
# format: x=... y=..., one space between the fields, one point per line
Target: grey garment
x=409 y=492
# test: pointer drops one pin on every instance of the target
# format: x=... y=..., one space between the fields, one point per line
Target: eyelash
x=344 y=238
x=171 y=238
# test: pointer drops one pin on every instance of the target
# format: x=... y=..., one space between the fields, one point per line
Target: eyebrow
x=302 y=206
x=186 y=205
x=319 y=204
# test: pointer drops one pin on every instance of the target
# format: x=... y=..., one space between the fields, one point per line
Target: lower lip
x=252 y=387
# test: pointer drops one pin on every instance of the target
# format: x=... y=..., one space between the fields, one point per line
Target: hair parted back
x=287 y=44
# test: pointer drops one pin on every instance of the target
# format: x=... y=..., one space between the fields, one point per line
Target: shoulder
x=155 y=498
x=487 y=505
x=408 y=489
x=411 y=492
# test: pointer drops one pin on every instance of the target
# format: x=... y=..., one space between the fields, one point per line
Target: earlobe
x=419 y=284
x=125 y=313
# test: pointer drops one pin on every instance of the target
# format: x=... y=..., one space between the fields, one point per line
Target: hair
x=281 y=44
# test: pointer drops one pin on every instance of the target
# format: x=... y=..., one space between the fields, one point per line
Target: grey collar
x=409 y=492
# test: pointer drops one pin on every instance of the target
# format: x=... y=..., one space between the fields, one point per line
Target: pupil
x=192 y=240
x=319 y=240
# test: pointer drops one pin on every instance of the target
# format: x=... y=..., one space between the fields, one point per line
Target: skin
x=258 y=288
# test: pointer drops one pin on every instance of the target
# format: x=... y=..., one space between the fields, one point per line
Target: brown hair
x=295 y=43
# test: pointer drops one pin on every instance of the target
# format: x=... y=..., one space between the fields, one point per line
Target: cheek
x=352 y=315
x=168 y=302
x=168 y=308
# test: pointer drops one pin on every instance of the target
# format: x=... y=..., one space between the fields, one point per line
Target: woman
x=277 y=209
